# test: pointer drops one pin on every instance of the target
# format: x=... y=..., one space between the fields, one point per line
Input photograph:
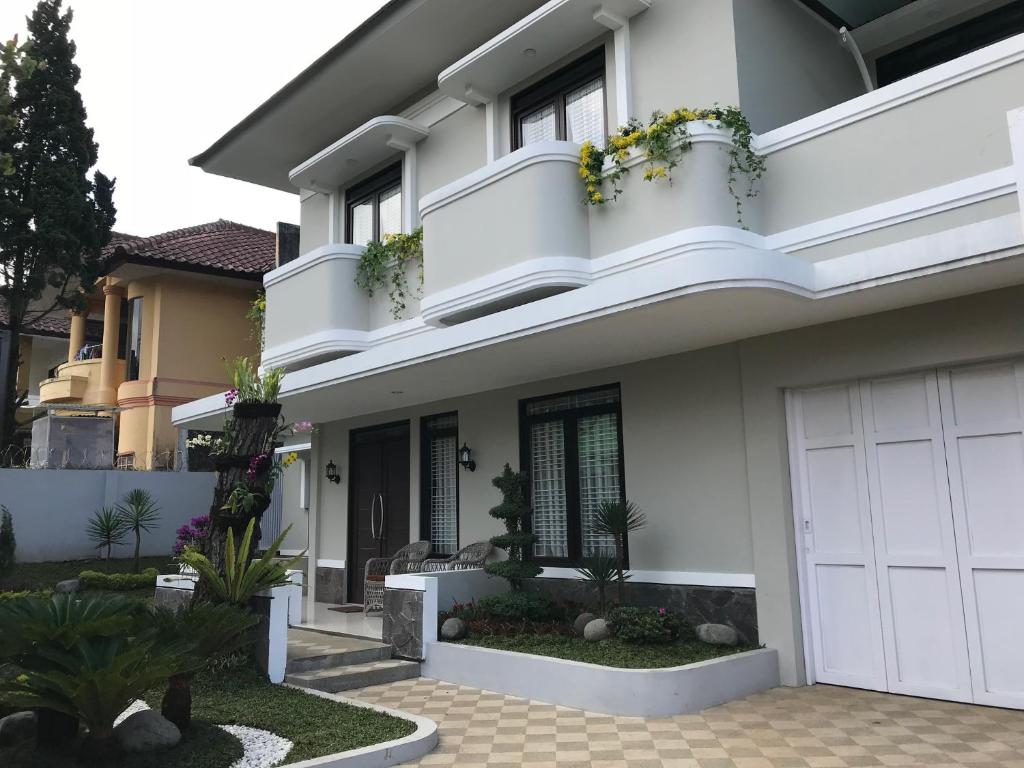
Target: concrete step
x=334 y=679
x=309 y=651
x=340 y=659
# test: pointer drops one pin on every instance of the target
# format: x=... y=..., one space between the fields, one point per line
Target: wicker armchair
x=405 y=560
x=472 y=556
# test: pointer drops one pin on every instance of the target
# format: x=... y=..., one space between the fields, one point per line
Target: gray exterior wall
x=790 y=63
x=314 y=213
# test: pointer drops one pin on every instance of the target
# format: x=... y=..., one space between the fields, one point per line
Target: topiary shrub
x=519 y=606
x=516 y=541
x=117 y=582
x=648 y=626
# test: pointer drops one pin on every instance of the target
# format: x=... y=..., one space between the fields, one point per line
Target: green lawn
x=607 y=653
x=34 y=576
x=315 y=725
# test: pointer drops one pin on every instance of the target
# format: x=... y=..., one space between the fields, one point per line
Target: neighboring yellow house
x=173 y=311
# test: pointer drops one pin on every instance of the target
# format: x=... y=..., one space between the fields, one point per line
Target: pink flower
x=230 y=396
x=662 y=611
x=301 y=427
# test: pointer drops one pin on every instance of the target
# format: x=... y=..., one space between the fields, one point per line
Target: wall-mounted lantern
x=332 y=473
x=466 y=458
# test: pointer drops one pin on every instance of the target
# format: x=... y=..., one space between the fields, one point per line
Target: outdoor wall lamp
x=332 y=472
x=466 y=458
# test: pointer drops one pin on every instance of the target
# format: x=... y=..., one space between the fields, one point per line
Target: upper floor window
x=134 y=338
x=567 y=106
x=373 y=208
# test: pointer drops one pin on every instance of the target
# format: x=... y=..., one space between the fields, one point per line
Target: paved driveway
x=820 y=727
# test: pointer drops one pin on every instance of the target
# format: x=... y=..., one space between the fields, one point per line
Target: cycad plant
x=106 y=529
x=618 y=519
x=600 y=570
x=139 y=513
x=242 y=579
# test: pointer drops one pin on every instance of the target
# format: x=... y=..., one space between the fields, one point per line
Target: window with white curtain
x=566 y=106
x=440 y=483
x=374 y=207
x=573 y=451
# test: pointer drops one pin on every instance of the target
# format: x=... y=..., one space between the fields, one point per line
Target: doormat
x=347 y=608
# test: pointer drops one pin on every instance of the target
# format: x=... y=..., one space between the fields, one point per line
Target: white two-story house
x=817 y=400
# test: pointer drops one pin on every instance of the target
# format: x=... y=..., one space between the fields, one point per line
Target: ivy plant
x=384 y=267
x=662 y=142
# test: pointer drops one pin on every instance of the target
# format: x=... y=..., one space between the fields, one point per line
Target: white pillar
x=623 y=63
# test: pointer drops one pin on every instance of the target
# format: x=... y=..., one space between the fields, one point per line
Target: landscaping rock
x=21 y=726
x=581 y=623
x=71 y=585
x=453 y=629
x=146 y=731
x=717 y=634
x=596 y=630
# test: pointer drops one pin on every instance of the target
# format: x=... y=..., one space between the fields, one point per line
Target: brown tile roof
x=56 y=323
x=220 y=247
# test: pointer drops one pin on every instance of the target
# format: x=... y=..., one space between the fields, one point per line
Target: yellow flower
x=660 y=173
x=597 y=197
x=689 y=114
x=289 y=459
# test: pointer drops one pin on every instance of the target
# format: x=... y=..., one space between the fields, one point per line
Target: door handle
x=373 y=507
x=381 y=534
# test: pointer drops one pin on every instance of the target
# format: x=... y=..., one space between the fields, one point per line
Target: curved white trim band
x=329 y=252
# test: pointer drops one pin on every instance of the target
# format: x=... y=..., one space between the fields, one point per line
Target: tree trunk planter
x=176 y=705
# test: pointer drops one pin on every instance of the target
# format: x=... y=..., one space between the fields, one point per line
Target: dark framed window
x=134 y=338
x=567 y=106
x=439 y=484
x=571 y=446
x=373 y=208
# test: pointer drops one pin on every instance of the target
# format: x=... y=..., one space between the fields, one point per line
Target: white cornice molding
x=674 y=578
x=547 y=272
x=541 y=152
x=337 y=342
x=976 y=64
x=432 y=109
x=325 y=253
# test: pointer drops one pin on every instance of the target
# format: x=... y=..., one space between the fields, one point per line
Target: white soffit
x=355 y=153
x=550 y=32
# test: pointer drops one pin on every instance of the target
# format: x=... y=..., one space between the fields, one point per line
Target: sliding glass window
x=440 y=482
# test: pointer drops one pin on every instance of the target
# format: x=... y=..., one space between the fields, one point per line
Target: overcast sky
x=163 y=80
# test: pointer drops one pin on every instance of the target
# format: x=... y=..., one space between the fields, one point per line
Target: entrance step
x=344 y=678
x=309 y=651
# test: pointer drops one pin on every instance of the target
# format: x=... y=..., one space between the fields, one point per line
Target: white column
x=1015 y=119
x=335 y=219
x=623 y=63
x=312 y=529
x=410 y=192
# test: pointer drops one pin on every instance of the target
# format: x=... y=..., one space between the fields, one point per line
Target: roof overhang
x=390 y=60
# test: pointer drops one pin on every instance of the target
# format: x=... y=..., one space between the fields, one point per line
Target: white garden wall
x=51 y=507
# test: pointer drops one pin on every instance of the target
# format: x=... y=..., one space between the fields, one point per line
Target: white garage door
x=909 y=495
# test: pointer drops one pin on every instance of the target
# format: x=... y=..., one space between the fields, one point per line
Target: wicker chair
x=405 y=560
x=472 y=556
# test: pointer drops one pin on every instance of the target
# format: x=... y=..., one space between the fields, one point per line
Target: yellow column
x=77 y=340
x=111 y=325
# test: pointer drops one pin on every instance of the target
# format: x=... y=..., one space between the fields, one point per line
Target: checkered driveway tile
x=819 y=727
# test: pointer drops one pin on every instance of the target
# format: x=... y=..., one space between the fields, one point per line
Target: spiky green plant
x=106 y=529
x=600 y=570
x=618 y=519
x=140 y=514
x=242 y=579
x=7 y=541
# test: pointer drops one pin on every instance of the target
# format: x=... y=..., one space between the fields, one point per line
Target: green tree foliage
x=8 y=545
x=618 y=519
x=513 y=511
x=139 y=513
x=106 y=529
x=54 y=218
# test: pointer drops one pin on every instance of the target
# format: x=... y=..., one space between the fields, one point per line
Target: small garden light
x=332 y=472
x=466 y=458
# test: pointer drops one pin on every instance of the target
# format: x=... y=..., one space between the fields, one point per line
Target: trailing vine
x=384 y=266
x=663 y=142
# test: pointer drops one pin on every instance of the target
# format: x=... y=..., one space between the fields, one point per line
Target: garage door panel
x=899 y=403
x=984 y=393
x=847 y=625
x=835 y=503
x=912 y=515
x=928 y=634
x=999 y=597
x=992 y=488
x=827 y=412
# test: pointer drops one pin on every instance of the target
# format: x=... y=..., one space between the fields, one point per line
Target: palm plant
x=106 y=529
x=139 y=513
x=242 y=579
x=600 y=570
x=215 y=630
x=618 y=519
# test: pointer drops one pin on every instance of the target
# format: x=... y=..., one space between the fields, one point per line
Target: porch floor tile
x=814 y=727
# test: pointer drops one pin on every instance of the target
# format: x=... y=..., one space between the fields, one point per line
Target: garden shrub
x=648 y=626
x=43 y=593
x=117 y=582
x=519 y=606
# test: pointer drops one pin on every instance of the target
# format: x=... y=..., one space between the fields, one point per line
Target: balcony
x=78 y=382
x=511 y=232
x=315 y=310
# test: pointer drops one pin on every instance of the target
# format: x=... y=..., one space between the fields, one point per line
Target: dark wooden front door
x=379 y=498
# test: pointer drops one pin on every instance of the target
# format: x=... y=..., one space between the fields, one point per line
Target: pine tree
x=54 y=219
x=514 y=512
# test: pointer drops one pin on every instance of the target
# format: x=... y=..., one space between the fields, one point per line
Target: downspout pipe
x=846 y=40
